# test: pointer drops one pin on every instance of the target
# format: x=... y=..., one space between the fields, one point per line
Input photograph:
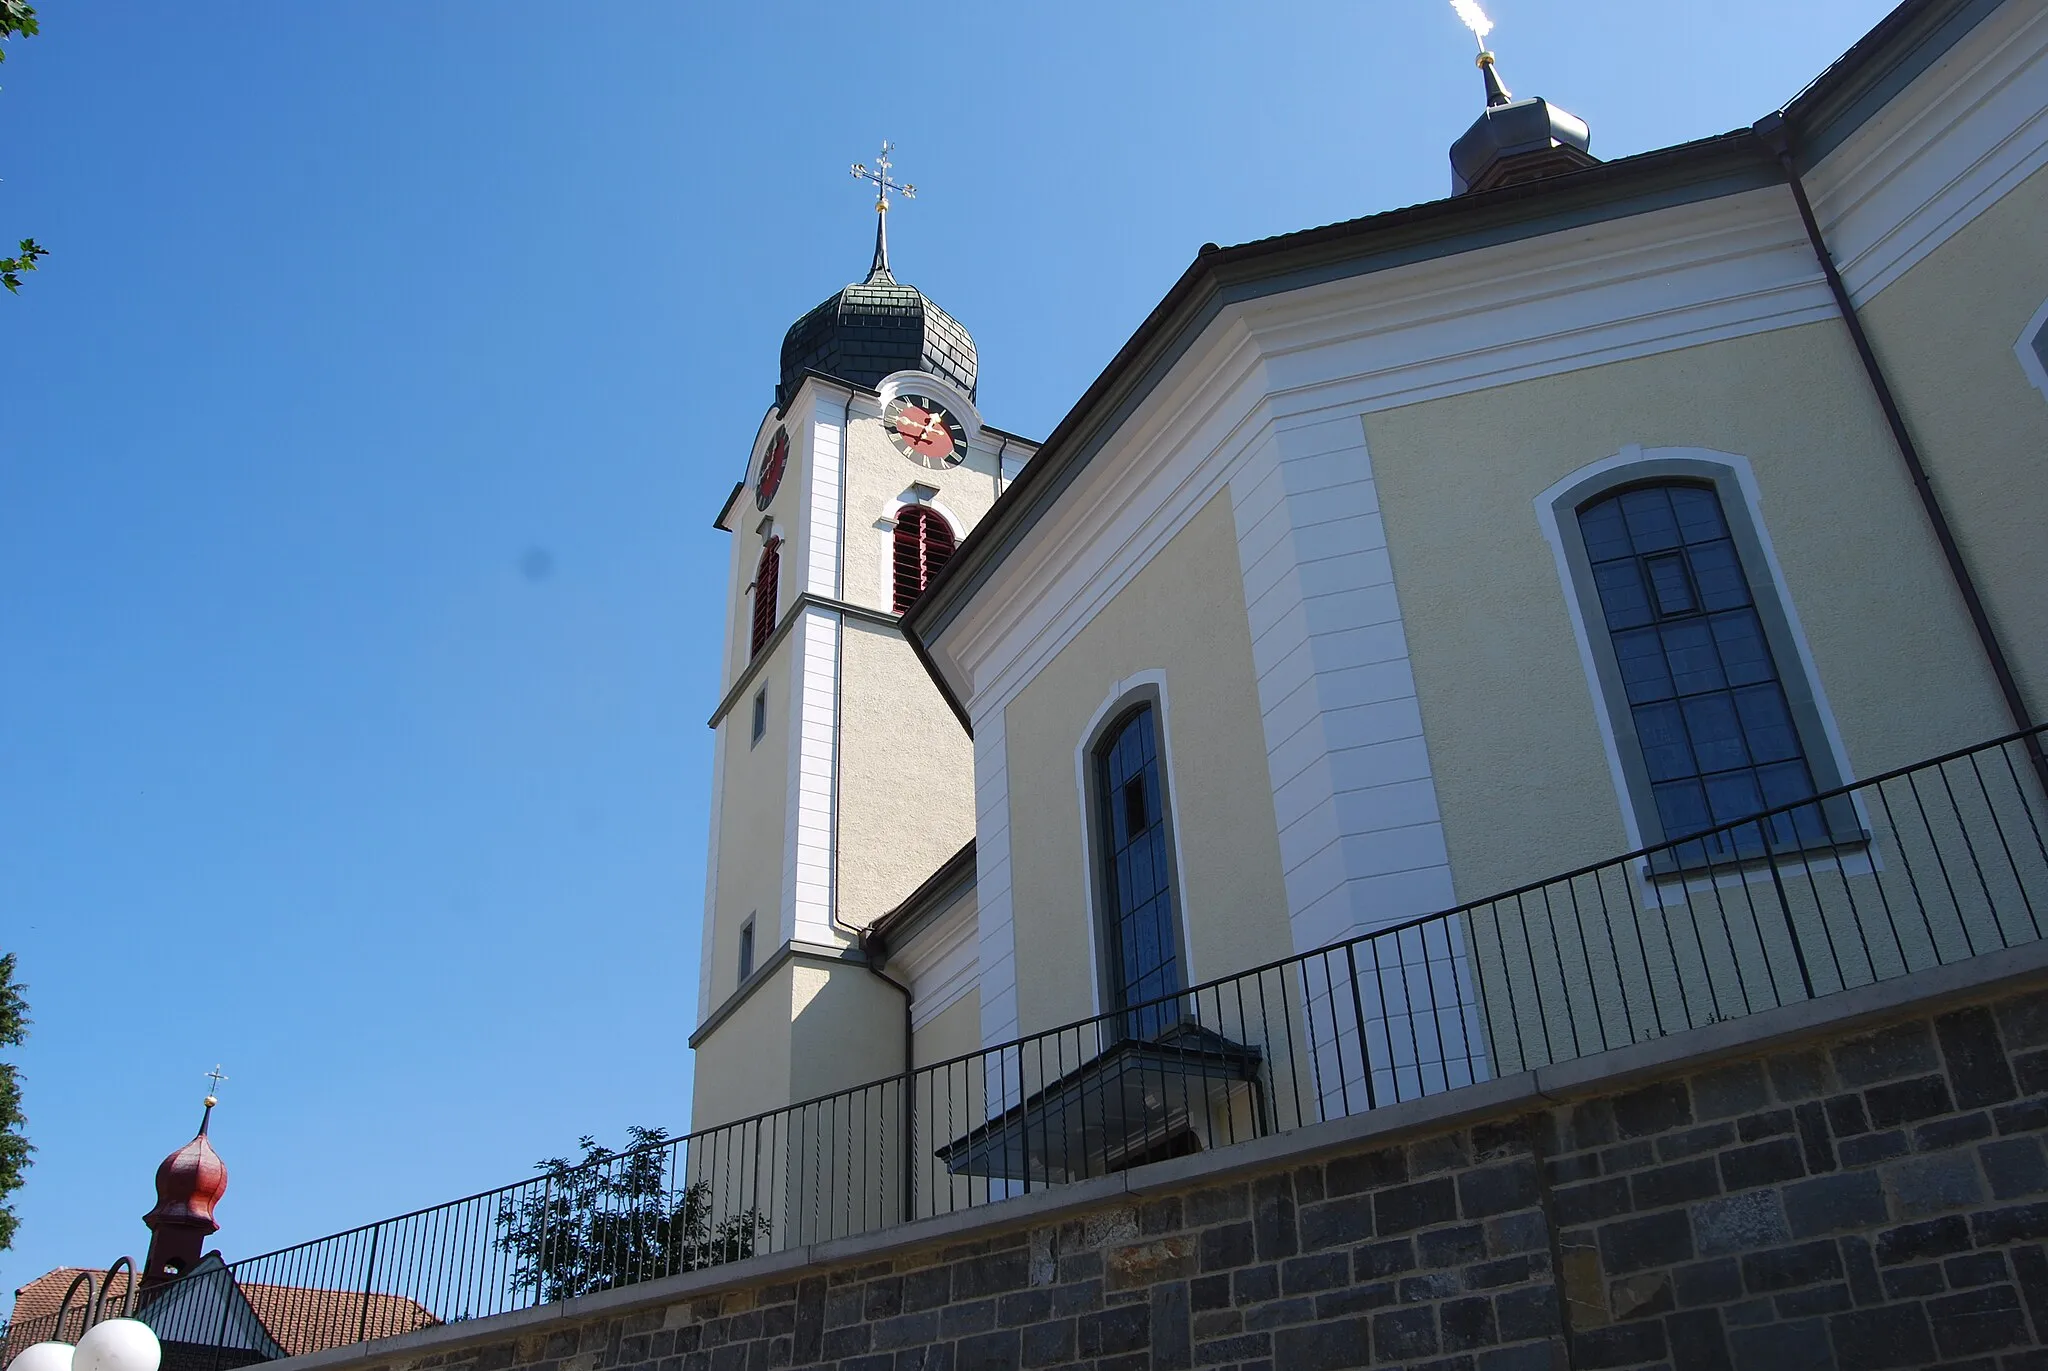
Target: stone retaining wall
x=1868 y=1201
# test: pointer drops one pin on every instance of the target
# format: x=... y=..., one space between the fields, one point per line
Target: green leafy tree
x=615 y=1218
x=14 y=1148
x=17 y=17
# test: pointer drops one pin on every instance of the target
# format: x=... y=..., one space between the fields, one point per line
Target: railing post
x=909 y=1161
x=1358 y=1013
x=369 y=1276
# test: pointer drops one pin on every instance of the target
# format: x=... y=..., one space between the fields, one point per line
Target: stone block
x=1498 y=1189
x=1787 y=1268
x=1526 y=1313
x=1740 y=1223
x=1444 y=1152
x=1914 y=1282
x=1940 y=1135
x=1892 y=1052
x=1022 y=1307
x=1397 y=1335
x=1592 y=1202
x=1628 y=1245
x=998 y=1351
x=1507 y=1271
x=1872 y=1148
x=1227 y=1247
x=1173 y=1346
x=1048 y=1344
x=927 y=1289
x=1876 y=1339
x=1694 y=1142
x=1764 y=1163
x=1656 y=1108
x=1335 y=1223
x=1975 y=1057
x=1403 y=1208
x=1322 y=1346
x=1622 y=1344
x=2023 y=1019
x=1815 y=1144
x=1975 y=1268
x=1799 y=1346
x=1255 y=1285
x=1306 y=1275
x=1452 y=1246
x=1818 y=1299
x=1861 y=1265
x=1917 y=1242
x=1273 y=1229
x=1512 y=1233
x=1365 y=1171
x=1148 y=1263
x=1220 y=1204
x=958 y=1320
x=1908 y=1101
x=2023 y=1116
x=1925 y=1186
x=1533 y=1356
x=1468 y=1323
x=1678 y=1183
x=2014 y=1223
x=1770 y=1123
x=1698 y=1342
x=2016 y=1167
x=1378 y=1259
x=1732 y=1090
x=1126 y=1328
x=994 y=1274
x=1428 y=1285
x=1642 y=1295
x=1800 y=1075
x=1159 y=1216
x=1830 y=1204
x=1707 y=1282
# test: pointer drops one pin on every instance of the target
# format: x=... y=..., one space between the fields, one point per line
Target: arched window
x=1702 y=693
x=924 y=543
x=765 y=577
x=1140 y=940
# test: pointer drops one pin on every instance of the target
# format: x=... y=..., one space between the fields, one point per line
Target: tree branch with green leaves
x=14 y=1148
x=18 y=18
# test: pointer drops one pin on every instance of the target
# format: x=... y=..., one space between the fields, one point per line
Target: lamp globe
x=118 y=1345
x=43 y=1356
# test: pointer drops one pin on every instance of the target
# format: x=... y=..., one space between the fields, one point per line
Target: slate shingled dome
x=873 y=329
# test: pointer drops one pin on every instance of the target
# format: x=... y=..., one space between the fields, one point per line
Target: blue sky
x=359 y=604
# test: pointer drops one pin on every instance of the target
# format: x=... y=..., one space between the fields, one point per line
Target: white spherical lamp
x=118 y=1345
x=43 y=1356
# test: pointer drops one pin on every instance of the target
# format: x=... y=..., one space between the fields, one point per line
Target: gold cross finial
x=884 y=183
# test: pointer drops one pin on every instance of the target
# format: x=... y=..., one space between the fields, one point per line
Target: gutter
x=874 y=956
x=1775 y=133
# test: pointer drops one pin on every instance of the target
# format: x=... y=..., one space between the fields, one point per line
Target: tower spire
x=883 y=183
x=189 y=1184
x=1474 y=18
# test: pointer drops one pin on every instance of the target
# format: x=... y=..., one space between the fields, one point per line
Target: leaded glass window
x=1704 y=692
x=1140 y=942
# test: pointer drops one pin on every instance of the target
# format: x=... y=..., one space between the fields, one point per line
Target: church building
x=1597 y=508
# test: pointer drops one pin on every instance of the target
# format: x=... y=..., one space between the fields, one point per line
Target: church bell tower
x=841 y=778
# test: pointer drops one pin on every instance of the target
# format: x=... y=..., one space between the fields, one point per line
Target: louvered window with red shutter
x=765 y=578
x=924 y=543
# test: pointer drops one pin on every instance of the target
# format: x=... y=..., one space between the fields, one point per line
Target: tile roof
x=299 y=1318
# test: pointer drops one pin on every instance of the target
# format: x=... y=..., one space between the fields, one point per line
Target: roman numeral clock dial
x=923 y=431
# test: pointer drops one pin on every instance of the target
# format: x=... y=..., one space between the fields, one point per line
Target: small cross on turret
x=883 y=184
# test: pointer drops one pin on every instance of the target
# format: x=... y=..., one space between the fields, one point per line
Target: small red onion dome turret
x=188 y=1185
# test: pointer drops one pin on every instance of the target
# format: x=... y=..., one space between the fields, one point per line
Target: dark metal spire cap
x=1521 y=140
x=874 y=329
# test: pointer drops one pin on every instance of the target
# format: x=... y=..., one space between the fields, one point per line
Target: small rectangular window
x=746 y=950
x=760 y=714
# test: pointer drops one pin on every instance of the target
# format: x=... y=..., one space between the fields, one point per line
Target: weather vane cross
x=214 y=1077
x=883 y=183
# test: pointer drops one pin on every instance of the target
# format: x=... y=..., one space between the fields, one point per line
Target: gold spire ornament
x=1474 y=18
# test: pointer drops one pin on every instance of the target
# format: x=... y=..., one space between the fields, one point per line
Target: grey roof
x=874 y=328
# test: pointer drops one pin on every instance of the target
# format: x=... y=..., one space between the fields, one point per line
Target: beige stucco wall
x=1944 y=333
x=743 y=1067
x=847 y=1030
x=753 y=814
x=1184 y=615
x=906 y=776
x=1521 y=775
x=954 y=1033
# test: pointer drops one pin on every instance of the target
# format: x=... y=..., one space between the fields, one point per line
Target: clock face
x=923 y=431
x=772 y=463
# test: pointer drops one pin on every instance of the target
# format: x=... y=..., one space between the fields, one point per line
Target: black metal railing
x=1919 y=867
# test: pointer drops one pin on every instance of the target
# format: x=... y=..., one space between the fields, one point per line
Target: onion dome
x=1517 y=140
x=189 y=1183
x=874 y=329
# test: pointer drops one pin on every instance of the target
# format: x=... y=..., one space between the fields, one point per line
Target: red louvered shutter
x=764 y=593
x=924 y=543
